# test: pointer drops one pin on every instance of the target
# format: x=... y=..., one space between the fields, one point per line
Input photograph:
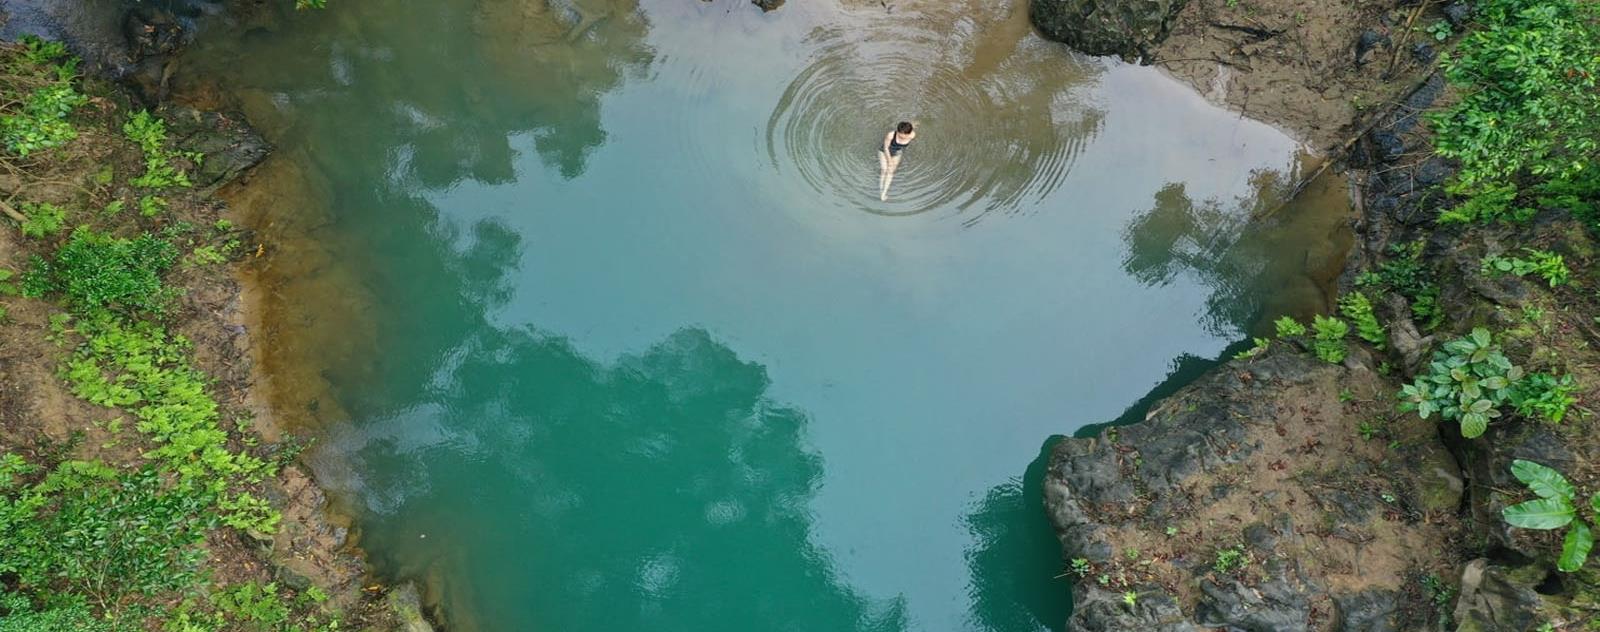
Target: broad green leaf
x=1542 y=479
x=1544 y=513
x=1494 y=383
x=1426 y=408
x=1473 y=425
x=1575 y=550
x=1481 y=336
x=1481 y=406
x=1514 y=373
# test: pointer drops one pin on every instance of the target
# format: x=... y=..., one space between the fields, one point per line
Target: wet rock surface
x=227 y=143
x=1128 y=28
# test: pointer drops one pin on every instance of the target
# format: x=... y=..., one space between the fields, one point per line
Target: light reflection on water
x=585 y=293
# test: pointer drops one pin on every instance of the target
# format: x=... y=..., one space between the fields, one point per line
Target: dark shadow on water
x=1015 y=559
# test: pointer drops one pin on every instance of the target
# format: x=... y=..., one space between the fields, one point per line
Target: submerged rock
x=767 y=5
x=1128 y=28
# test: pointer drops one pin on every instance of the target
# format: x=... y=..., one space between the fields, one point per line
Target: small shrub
x=1543 y=396
x=1556 y=507
x=151 y=206
x=95 y=271
x=44 y=219
x=1288 y=327
x=1230 y=559
x=1467 y=382
x=1358 y=309
x=1329 y=339
x=42 y=123
x=150 y=134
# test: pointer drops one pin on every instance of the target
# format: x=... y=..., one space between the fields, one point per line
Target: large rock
x=1128 y=28
x=1258 y=498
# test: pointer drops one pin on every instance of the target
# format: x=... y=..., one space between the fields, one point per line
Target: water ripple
x=999 y=123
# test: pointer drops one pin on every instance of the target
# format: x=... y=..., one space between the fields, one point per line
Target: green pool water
x=616 y=335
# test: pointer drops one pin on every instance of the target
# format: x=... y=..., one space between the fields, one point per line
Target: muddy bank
x=1281 y=492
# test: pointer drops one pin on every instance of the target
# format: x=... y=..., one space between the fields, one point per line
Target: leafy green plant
x=1231 y=559
x=1130 y=598
x=95 y=271
x=1548 y=265
x=1329 y=339
x=1467 y=382
x=1405 y=273
x=89 y=530
x=1556 y=507
x=206 y=256
x=1288 y=327
x=1261 y=345
x=1358 y=309
x=151 y=206
x=7 y=287
x=42 y=122
x=1543 y=396
x=150 y=133
x=1440 y=30
x=138 y=367
x=1080 y=566
x=44 y=219
x=1529 y=82
x=113 y=208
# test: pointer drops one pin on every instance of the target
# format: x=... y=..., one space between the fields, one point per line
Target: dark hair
x=904 y=127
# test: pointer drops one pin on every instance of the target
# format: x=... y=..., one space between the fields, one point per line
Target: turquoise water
x=616 y=333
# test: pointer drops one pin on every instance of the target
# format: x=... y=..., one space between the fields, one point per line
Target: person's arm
x=886 y=138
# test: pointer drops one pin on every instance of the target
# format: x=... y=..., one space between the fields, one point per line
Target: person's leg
x=884 y=173
x=888 y=178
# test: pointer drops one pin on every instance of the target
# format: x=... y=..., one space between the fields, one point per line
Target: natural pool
x=613 y=332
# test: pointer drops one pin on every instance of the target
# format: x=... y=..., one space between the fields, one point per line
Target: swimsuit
x=895 y=146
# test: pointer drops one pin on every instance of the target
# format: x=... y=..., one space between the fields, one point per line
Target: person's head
x=904 y=127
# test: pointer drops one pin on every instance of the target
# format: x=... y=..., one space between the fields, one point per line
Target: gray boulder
x=1128 y=28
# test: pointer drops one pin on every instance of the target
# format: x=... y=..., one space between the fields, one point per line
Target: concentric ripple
x=998 y=122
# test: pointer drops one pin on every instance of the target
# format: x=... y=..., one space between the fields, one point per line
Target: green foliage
x=138 y=367
x=1329 y=339
x=95 y=271
x=1231 y=559
x=1556 y=507
x=22 y=617
x=1543 y=396
x=1548 y=265
x=206 y=256
x=151 y=206
x=1405 y=273
x=39 y=51
x=1531 y=85
x=113 y=208
x=1080 y=566
x=42 y=122
x=301 y=5
x=1288 y=327
x=1358 y=309
x=7 y=287
x=1467 y=381
x=44 y=219
x=253 y=605
x=150 y=133
x=1261 y=345
x=1440 y=30
x=89 y=530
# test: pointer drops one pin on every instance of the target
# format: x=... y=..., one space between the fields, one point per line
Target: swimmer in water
x=889 y=156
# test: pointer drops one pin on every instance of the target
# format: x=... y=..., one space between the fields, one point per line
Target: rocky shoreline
x=1281 y=492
